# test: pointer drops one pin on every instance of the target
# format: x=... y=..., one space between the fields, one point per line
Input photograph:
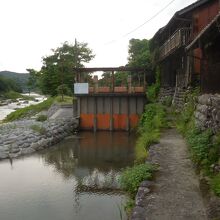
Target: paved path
x=63 y=112
x=176 y=195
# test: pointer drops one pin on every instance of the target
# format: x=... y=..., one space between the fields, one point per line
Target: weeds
x=152 y=120
x=154 y=89
x=132 y=177
x=38 y=128
x=41 y=118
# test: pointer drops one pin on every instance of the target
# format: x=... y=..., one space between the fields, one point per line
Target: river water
x=76 y=179
x=11 y=107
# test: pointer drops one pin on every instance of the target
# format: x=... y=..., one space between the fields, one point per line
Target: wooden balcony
x=179 y=39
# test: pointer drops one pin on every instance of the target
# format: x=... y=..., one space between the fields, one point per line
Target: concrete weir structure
x=109 y=111
x=109 y=108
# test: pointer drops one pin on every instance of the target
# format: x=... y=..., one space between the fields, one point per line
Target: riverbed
x=75 y=179
x=12 y=106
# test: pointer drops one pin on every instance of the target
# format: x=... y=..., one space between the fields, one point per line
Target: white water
x=7 y=109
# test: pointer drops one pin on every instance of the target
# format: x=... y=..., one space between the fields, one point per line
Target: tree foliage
x=120 y=79
x=57 y=68
x=7 y=85
x=139 y=53
x=33 y=80
x=139 y=56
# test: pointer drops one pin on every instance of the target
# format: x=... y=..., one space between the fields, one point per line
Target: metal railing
x=180 y=38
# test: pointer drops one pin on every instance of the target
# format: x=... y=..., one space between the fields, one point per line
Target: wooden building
x=181 y=56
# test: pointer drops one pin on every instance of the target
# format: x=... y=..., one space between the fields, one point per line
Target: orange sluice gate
x=103 y=121
x=86 y=121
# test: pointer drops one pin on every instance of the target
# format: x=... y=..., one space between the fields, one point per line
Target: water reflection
x=93 y=159
x=71 y=180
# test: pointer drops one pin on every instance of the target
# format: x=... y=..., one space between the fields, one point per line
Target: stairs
x=179 y=97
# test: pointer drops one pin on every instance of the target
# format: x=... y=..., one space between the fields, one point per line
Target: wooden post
x=128 y=114
x=113 y=81
x=95 y=80
x=129 y=84
x=95 y=115
x=78 y=107
x=111 y=114
x=145 y=84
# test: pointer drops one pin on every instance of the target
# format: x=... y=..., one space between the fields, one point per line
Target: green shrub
x=200 y=145
x=154 y=89
x=167 y=101
x=152 y=120
x=132 y=177
x=215 y=184
x=154 y=117
x=41 y=118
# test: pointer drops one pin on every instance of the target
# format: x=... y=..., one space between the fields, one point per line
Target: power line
x=154 y=16
x=147 y=21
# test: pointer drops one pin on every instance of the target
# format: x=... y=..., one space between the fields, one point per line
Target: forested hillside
x=21 y=79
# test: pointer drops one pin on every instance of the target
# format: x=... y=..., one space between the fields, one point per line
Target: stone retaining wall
x=207 y=112
x=27 y=136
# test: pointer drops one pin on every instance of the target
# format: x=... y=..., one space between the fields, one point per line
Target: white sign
x=81 y=88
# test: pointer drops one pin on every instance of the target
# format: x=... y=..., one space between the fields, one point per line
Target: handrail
x=181 y=37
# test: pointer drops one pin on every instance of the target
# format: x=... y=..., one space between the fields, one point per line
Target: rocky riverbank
x=27 y=136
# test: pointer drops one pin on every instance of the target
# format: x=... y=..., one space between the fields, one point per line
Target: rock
x=139 y=202
x=205 y=99
x=3 y=155
x=25 y=145
x=142 y=192
x=202 y=109
x=138 y=212
x=18 y=138
x=27 y=151
x=146 y=183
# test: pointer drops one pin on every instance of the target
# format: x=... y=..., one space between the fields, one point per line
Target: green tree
x=7 y=85
x=139 y=56
x=32 y=82
x=57 y=68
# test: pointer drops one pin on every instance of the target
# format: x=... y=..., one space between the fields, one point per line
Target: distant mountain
x=20 y=78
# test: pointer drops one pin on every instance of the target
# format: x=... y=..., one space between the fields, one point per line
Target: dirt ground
x=176 y=194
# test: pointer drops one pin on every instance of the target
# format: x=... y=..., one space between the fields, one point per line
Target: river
x=11 y=107
x=76 y=179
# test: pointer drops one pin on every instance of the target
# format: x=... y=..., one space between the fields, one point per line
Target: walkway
x=176 y=195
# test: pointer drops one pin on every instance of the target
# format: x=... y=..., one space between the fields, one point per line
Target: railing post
x=96 y=87
x=129 y=84
x=113 y=81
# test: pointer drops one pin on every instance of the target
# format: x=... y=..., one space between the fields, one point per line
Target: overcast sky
x=31 y=28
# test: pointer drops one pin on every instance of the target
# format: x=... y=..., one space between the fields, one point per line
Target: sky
x=31 y=28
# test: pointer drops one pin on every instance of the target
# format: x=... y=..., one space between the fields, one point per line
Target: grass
x=132 y=177
x=65 y=100
x=41 y=118
x=152 y=121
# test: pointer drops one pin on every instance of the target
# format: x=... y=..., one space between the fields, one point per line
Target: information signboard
x=81 y=88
